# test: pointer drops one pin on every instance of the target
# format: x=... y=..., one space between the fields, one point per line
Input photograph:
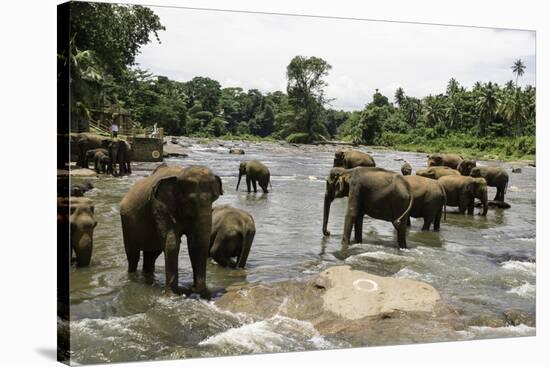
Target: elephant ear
x=163 y=194
x=218 y=190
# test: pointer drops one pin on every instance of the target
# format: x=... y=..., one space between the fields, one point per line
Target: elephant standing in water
x=233 y=231
x=376 y=192
x=162 y=207
x=462 y=191
x=429 y=201
x=352 y=158
x=82 y=223
x=449 y=160
x=87 y=141
x=436 y=172
x=466 y=166
x=120 y=153
x=254 y=171
x=495 y=177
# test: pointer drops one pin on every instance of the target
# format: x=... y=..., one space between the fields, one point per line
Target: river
x=482 y=266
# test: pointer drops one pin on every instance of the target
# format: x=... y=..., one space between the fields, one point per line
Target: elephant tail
x=397 y=222
x=444 y=201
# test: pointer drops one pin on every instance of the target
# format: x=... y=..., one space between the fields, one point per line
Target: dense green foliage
x=486 y=118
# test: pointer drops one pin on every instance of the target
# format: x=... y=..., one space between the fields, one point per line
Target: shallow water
x=481 y=266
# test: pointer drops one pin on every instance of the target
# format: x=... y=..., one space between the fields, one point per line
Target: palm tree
x=399 y=96
x=452 y=87
x=518 y=68
x=487 y=104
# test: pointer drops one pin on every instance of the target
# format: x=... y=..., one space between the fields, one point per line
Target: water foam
x=474 y=332
x=526 y=290
x=526 y=267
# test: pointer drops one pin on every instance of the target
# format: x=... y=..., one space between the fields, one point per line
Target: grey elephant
x=236 y=151
x=436 y=172
x=330 y=196
x=102 y=162
x=449 y=160
x=255 y=172
x=429 y=201
x=406 y=169
x=82 y=223
x=87 y=141
x=80 y=189
x=465 y=167
x=90 y=156
x=462 y=191
x=353 y=158
x=120 y=154
x=378 y=193
x=233 y=231
x=495 y=177
x=159 y=209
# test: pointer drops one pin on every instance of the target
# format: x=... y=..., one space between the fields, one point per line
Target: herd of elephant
x=175 y=201
x=110 y=155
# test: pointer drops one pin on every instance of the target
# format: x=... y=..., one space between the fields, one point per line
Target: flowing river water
x=481 y=266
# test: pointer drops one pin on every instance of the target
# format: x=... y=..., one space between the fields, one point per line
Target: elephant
x=90 y=156
x=495 y=177
x=86 y=141
x=353 y=158
x=378 y=193
x=406 y=169
x=329 y=196
x=78 y=190
x=449 y=160
x=462 y=191
x=233 y=231
x=255 y=171
x=120 y=153
x=236 y=151
x=102 y=162
x=429 y=201
x=159 y=209
x=466 y=166
x=82 y=223
x=436 y=172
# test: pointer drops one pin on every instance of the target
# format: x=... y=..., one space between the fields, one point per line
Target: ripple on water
x=526 y=267
x=526 y=290
x=486 y=332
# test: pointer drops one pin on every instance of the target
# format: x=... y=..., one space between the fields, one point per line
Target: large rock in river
x=360 y=308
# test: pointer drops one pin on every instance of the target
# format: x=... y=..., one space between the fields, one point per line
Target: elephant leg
x=409 y=221
x=248 y=183
x=471 y=207
x=132 y=256
x=437 y=221
x=149 y=258
x=402 y=234
x=263 y=185
x=351 y=218
x=254 y=185
x=171 y=252
x=128 y=168
x=217 y=251
x=359 y=229
x=428 y=219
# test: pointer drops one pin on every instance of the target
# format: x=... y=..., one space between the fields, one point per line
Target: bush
x=298 y=138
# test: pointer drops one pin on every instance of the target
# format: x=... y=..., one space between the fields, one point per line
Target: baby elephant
x=406 y=169
x=102 y=162
x=82 y=221
x=233 y=231
x=254 y=172
x=437 y=172
x=90 y=156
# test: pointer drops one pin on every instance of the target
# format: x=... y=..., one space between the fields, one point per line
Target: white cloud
x=253 y=50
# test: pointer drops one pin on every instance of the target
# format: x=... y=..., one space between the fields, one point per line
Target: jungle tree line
x=107 y=38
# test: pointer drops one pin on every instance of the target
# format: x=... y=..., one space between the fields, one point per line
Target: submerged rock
x=83 y=172
x=236 y=151
x=360 y=308
x=174 y=150
x=518 y=317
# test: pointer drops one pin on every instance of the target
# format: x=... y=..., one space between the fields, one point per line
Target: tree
x=115 y=33
x=487 y=106
x=453 y=87
x=206 y=91
x=399 y=96
x=306 y=96
x=518 y=68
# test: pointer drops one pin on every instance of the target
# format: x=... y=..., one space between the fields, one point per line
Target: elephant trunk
x=239 y=181
x=329 y=197
x=245 y=250
x=83 y=248
x=484 y=201
x=198 y=250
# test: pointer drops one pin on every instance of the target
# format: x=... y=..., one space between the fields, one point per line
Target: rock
x=518 y=317
x=360 y=308
x=174 y=150
x=174 y=140
x=516 y=169
x=354 y=294
x=83 y=172
x=533 y=164
x=487 y=320
x=236 y=151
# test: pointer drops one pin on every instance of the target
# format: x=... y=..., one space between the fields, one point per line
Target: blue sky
x=252 y=51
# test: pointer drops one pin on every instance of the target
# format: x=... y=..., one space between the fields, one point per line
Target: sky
x=252 y=51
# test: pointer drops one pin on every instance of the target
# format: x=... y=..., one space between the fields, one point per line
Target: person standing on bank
x=114 y=129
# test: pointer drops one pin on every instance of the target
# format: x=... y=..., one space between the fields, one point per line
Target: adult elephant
x=87 y=141
x=330 y=195
x=437 y=172
x=429 y=201
x=255 y=172
x=378 y=193
x=466 y=166
x=462 y=191
x=353 y=158
x=120 y=154
x=82 y=223
x=495 y=177
x=159 y=209
x=233 y=231
x=449 y=160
